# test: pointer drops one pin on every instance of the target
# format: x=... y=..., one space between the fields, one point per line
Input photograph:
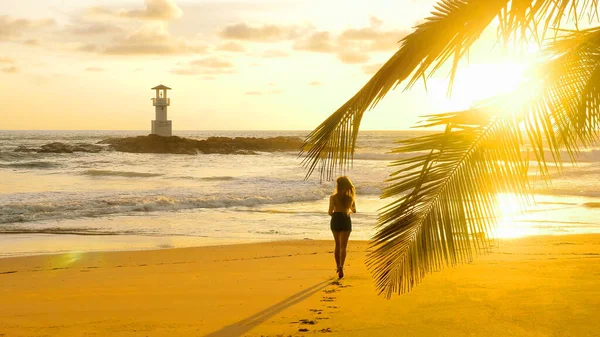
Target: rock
x=56 y=147
x=22 y=148
x=222 y=145
x=83 y=147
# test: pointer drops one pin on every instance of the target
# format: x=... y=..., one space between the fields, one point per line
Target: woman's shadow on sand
x=243 y=326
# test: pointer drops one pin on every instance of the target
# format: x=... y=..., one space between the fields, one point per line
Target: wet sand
x=537 y=286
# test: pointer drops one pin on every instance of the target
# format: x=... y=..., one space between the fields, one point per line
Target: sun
x=481 y=81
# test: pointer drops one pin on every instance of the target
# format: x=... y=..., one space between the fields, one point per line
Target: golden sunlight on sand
x=535 y=286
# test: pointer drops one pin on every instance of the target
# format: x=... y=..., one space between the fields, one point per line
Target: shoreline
x=212 y=243
x=533 y=286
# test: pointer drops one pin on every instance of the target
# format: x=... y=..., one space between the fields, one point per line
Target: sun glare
x=481 y=81
x=509 y=209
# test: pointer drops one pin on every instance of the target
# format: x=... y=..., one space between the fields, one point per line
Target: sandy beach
x=536 y=286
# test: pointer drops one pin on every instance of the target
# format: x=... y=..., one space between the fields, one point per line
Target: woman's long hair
x=344 y=191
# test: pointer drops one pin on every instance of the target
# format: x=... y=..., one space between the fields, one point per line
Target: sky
x=232 y=65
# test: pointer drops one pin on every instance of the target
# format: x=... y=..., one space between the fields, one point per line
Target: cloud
x=371 y=69
x=274 y=53
x=88 y=47
x=372 y=39
x=322 y=42
x=6 y=60
x=94 y=69
x=95 y=28
x=375 y=21
x=262 y=93
x=161 y=10
x=206 y=66
x=150 y=36
x=233 y=47
x=212 y=62
x=185 y=71
x=353 y=57
x=264 y=33
x=149 y=40
x=10 y=70
x=352 y=45
x=315 y=83
x=318 y=42
x=11 y=27
x=32 y=42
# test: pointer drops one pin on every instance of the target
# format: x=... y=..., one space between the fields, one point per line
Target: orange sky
x=245 y=64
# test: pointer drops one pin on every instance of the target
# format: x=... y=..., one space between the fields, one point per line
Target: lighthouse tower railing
x=161 y=101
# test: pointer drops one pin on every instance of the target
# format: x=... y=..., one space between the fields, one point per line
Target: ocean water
x=53 y=203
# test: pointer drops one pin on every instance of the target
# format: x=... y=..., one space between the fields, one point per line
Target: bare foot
x=340 y=272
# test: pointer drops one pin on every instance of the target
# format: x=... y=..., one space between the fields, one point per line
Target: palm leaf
x=446 y=193
x=566 y=113
x=453 y=27
x=442 y=213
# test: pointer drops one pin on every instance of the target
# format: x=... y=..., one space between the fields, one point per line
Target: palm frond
x=452 y=28
x=565 y=114
x=446 y=193
x=444 y=211
x=447 y=34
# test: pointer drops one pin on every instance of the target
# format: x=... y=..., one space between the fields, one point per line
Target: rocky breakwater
x=58 y=147
x=222 y=145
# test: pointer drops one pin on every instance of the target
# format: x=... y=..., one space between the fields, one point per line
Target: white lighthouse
x=161 y=126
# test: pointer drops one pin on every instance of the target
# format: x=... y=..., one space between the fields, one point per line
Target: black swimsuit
x=340 y=221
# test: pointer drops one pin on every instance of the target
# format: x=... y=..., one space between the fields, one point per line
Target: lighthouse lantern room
x=161 y=126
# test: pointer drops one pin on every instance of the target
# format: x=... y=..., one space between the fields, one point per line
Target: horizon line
x=242 y=130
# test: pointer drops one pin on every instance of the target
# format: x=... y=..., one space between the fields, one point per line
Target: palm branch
x=446 y=35
x=444 y=206
x=446 y=193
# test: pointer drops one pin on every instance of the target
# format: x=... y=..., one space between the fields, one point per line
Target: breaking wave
x=104 y=173
x=214 y=178
x=94 y=207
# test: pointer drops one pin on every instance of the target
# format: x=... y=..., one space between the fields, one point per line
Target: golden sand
x=539 y=286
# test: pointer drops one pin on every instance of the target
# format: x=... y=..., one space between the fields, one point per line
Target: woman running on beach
x=341 y=203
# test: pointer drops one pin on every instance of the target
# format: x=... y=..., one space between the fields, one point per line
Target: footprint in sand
x=325 y=330
x=307 y=321
x=328 y=299
x=340 y=285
